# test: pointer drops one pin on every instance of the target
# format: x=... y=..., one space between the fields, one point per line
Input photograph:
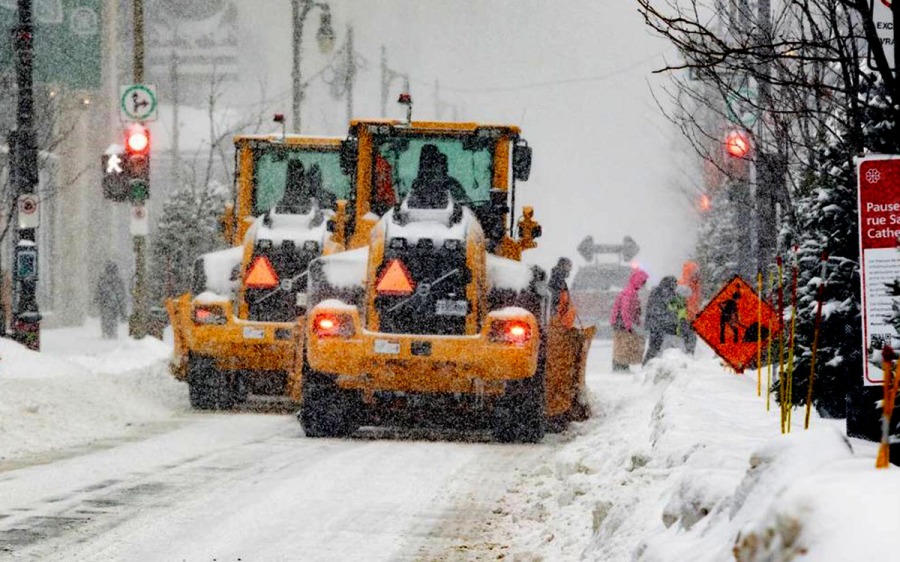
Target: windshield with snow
x=318 y=170
x=396 y=165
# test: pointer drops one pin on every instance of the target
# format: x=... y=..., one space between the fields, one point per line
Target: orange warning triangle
x=261 y=275
x=395 y=280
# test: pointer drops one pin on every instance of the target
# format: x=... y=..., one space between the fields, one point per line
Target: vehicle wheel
x=201 y=382
x=519 y=414
x=326 y=410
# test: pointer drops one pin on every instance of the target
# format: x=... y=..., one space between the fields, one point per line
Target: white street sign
x=140 y=224
x=884 y=26
x=138 y=102
x=28 y=212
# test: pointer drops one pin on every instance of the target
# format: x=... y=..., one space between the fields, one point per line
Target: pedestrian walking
x=661 y=317
x=110 y=300
x=628 y=344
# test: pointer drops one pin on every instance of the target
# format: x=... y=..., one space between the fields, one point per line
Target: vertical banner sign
x=884 y=27
x=878 y=180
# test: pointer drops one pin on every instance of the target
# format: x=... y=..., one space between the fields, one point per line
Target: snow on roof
x=505 y=273
x=346 y=269
x=296 y=228
x=427 y=223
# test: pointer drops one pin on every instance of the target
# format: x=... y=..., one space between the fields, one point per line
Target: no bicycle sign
x=138 y=102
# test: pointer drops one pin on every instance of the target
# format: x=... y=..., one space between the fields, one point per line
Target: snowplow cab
x=437 y=308
x=237 y=331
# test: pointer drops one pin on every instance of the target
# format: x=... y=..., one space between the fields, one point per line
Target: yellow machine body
x=481 y=331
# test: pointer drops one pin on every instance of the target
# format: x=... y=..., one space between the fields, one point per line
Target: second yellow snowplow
x=238 y=332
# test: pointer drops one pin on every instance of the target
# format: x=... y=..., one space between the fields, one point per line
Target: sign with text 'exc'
x=878 y=181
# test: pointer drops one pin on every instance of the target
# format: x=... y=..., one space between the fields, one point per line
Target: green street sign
x=741 y=107
x=67 y=36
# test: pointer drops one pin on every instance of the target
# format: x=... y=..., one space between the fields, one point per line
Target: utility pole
x=26 y=314
x=300 y=10
x=387 y=76
x=350 y=75
x=139 y=315
x=768 y=167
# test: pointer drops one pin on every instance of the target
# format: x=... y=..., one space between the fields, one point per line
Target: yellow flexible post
x=883 y=460
x=759 y=334
x=781 y=385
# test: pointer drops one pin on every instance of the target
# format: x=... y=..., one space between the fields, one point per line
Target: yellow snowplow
x=237 y=332
x=437 y=307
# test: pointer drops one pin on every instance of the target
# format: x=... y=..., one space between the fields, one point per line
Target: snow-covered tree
x=827 y=222
x=717 y=243
x=188 y=228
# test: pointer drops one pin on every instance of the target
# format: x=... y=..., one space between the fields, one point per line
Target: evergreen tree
x=827 y=222
x=187 y=229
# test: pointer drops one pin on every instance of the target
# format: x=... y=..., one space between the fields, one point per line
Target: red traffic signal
x=137 y=141
x=738 y=144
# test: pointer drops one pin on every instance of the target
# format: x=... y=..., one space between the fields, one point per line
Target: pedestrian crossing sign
x=736 y=323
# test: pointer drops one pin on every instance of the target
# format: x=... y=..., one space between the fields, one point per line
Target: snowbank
x=682 y=462
x=80 y=390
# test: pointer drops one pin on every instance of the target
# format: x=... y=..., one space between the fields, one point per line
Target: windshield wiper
x=423 y=289
x=286 y=286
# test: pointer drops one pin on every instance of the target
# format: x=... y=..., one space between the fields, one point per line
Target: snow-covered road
x=224 y=486
x=250 y=487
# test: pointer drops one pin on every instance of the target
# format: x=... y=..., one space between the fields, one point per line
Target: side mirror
x=349 y=149
x=521 y=162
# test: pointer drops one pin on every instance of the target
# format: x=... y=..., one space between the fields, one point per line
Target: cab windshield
x=396 y=166
x=319 y=168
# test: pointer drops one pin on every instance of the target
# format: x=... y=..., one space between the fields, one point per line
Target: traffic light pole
x=138 y=323
x=26 y=315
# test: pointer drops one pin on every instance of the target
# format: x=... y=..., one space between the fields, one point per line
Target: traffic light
x=738 y=143
x=137 y=162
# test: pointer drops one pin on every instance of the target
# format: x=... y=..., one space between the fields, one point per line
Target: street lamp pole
x=300 y=10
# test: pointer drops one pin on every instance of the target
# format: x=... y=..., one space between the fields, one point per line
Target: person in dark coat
x=560 y=300
x=661 y=318
x=433 y=185
x=110 y=299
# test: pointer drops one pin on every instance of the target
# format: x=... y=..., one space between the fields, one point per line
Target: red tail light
x=326 y=325
x=515 y=332
x=209 y=315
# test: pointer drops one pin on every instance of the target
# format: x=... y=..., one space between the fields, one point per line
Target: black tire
x=327 y=410
x=519 y=413
x=209 y=389
x=201 y=382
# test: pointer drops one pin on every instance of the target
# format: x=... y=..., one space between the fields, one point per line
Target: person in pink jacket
x=625 y=317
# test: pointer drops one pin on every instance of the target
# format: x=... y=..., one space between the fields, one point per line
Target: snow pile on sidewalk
x=682 y=462
x=51 y=401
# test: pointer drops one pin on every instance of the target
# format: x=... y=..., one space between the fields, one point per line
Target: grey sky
x=575 y=75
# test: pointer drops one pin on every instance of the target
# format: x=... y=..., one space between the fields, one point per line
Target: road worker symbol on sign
x=735 y=322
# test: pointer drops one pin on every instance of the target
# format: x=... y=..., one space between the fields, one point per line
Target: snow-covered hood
x=296 y=228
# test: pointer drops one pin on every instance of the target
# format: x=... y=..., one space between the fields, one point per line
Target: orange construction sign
x=735 y=321
x=395 y=280
x=261 y=275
